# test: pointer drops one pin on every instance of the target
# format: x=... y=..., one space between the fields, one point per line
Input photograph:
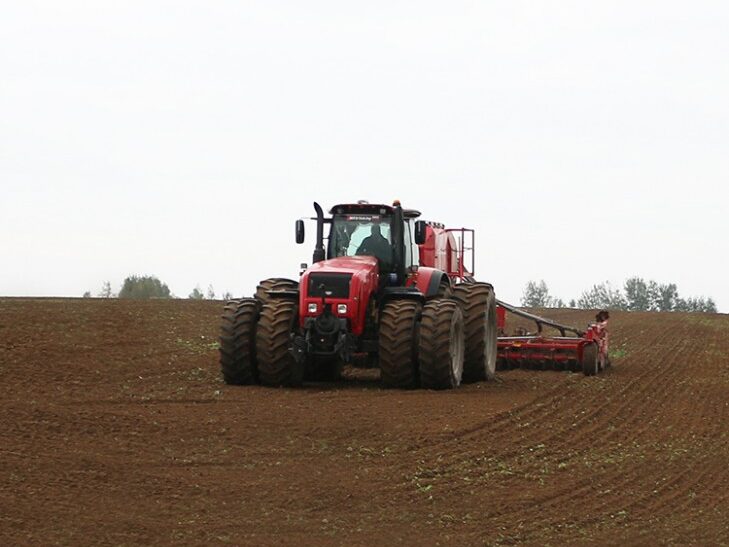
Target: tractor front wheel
x=237 y=342
x=274 y=284
x=276 y=364
x=398 y=364
x=441 y=345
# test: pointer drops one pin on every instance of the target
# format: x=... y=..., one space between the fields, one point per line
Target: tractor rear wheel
x=274 y=284
x=445 y=290
x=276 y=365
x=398 y=363
x=589 y=359
x=237 y=342
x=441 y=345
x=478 y=303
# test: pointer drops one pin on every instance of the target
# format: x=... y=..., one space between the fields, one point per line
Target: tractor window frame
x=334 y=249
x=409 y=250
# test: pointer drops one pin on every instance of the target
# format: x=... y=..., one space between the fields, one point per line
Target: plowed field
x=116 y=428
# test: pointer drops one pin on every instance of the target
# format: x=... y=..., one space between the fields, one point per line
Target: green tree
x=144 y=287
x=695 y=304
x=636 y=294
x=211 y=292
x=106 y=291
x=654 y=296
x=536 y=295
x=602 y=296
x=196 y=294
x=667 y=297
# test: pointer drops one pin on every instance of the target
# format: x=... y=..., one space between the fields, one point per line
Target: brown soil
x=117 y=429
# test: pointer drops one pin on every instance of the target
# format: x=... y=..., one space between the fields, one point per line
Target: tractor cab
x=365 y=229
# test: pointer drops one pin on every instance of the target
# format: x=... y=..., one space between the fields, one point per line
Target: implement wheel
x=398 y=364
x=589 y=359
x=274 y=284
x=441 y=345
x=276 y=365
x=237 y=342
x=478 y=303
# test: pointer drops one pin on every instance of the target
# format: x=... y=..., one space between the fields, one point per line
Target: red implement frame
x=536 y=350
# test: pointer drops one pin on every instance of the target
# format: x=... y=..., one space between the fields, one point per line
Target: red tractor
x=387 y=290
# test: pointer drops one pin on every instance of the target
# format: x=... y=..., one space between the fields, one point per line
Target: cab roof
x=371 y=209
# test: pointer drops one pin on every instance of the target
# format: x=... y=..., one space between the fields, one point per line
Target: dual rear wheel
x=255 y=336
x=478 y=302
x=439 y=344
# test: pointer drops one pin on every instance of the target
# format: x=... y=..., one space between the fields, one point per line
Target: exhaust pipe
x=319 y=253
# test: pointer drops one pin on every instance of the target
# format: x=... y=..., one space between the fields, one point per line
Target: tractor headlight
x=341 y=309
x=312 y=307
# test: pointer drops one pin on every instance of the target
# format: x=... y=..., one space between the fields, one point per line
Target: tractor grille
x=330 y=285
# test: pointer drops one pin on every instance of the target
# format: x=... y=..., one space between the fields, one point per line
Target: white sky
x=585 y=141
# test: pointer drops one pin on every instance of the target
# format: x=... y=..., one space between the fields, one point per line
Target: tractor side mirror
x=420 y=232
x=299 y=231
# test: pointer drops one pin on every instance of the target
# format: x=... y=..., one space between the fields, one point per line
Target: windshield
x=356 y=235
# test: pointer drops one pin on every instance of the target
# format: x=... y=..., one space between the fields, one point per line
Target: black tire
x=441 y=345
x=237 y=342
x=397 y=343
x=445 y=290
x=589 y=359
x=274 y=284
x=276 y=365
x=478 y=303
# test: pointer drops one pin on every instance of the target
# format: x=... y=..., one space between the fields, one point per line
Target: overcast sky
x=584 y=141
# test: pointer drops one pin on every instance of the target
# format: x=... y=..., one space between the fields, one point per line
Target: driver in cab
x=376 y=245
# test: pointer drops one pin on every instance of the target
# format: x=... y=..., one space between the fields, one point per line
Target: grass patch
x=200 y=345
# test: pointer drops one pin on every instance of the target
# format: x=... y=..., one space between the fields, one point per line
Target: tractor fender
x=428 y=280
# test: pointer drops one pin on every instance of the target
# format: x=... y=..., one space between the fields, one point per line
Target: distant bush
x=142 y=287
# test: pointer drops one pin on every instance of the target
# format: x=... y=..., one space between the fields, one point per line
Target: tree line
x=637 y=294
x=142 y=287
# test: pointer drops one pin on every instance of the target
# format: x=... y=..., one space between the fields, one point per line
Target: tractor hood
x=346 y=264
x=342 y=277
